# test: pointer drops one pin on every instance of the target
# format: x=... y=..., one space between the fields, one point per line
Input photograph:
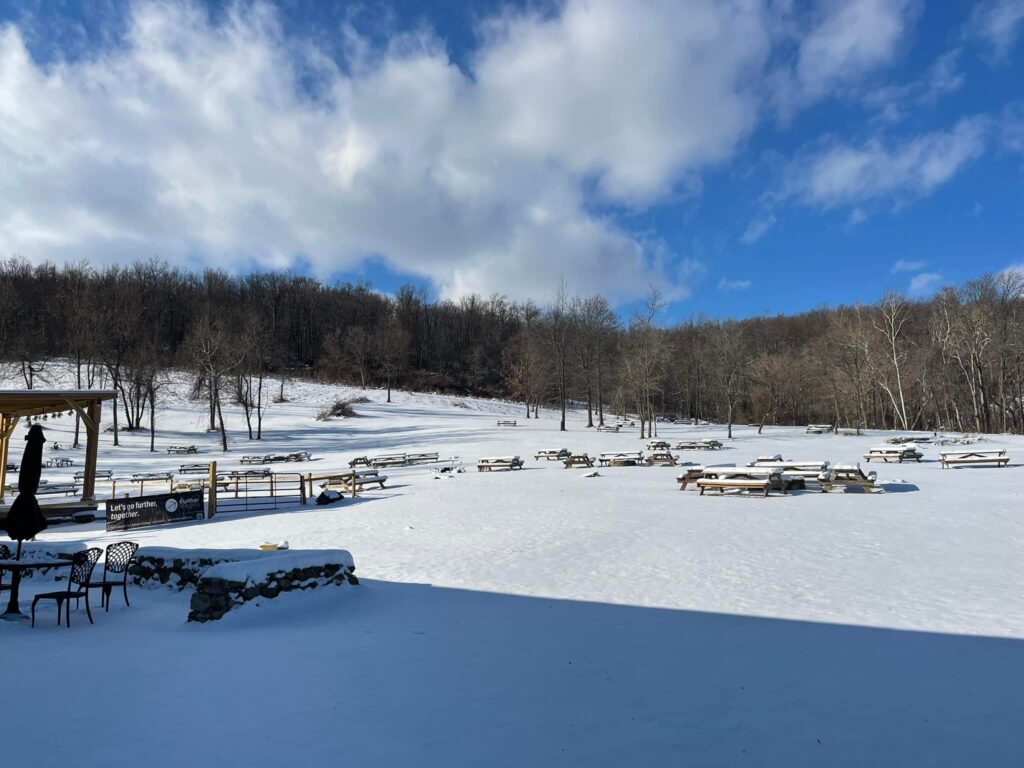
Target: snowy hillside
x=546 y=618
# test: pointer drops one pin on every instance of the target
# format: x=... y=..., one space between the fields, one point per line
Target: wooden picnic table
x=389 y=460
x=843 y=476
x=661 y=459
x=898 y=454
x=506 y=422
x=578 y=460
x=699 y=445
x=487 y=464
x=976 y=458
x=658 y=445
x=608 y=428
x=184 y=449
x=622 y=459
x=552 y=454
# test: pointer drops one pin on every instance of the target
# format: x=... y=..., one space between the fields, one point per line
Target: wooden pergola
x=15 y=404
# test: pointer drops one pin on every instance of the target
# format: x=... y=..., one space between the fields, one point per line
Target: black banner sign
x=144 y=511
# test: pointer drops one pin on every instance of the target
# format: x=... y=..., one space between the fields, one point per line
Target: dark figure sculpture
x=25 y=520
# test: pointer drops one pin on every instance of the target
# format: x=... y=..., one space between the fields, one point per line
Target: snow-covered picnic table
x=489 y=463
x=952 y=458
x=621 y=458
x=897 y=453
x=552 y=454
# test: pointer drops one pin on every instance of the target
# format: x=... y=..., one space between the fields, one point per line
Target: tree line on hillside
x=955 y=361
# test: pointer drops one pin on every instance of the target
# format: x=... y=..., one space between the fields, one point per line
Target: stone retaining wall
x=215 y=596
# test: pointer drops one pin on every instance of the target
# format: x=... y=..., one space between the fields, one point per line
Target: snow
x=258 y=568
x=526 y=618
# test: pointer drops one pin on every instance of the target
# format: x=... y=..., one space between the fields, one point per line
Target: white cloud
x=203 y=143
x=924 y=284
x=905 y=265
x=1012 y=128
x=757 y=228
x=897 y=102
x=999 y=24
x=726 y=284
x=846 y=174
x=850 y=38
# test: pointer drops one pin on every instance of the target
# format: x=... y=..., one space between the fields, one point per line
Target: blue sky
x=744 y=156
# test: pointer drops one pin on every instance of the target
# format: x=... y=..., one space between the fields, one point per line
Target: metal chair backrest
x=119 y=556
x=82 y=565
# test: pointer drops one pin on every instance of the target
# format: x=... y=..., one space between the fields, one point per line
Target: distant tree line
x=955 y=361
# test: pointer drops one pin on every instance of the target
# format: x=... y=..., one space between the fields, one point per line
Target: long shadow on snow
x=394 y=674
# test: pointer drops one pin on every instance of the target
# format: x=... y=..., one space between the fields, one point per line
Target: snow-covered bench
x=193 y=469
x=608 y=428
x=820 y=429
x=658 y=445
x=898 y=453
x=694 y=472
x=952 y=458
x=722 y=484
x=552 y=454
x=182 y=449
x=389 y=460
x=621 y=459
x=422 y=458
x=490 y=463
x=506 y=422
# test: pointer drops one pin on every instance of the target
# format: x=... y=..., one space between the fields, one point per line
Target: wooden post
x=353 y=483
x=92 y=439
x=211 y=504
x=4 y=440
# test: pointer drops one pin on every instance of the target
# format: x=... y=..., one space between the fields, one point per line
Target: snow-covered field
x=546 y=618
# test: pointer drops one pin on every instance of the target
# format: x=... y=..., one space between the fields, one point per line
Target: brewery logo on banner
x=144 y=511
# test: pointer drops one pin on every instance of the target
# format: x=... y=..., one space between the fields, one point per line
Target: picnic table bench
x=49 y=489
x=101 y=474
x=389 y=460
x=897 y=453
x=578 y=460
x=277 y=458
x=620 y=459
x=552 y=454
x=661 y=459
x=658 y=445
x=194 y=469
x=723 y=484
x=490 y=463
x=781 y=479
x=422 y=458
x=952 y=458
x=184 y=449
x=359 y=461
x=608 y=428
x=820 y=429
x=506 y=422
x=60 y=461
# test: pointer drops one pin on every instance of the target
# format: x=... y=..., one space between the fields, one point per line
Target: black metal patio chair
x=119 y=557
x=82 y=565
